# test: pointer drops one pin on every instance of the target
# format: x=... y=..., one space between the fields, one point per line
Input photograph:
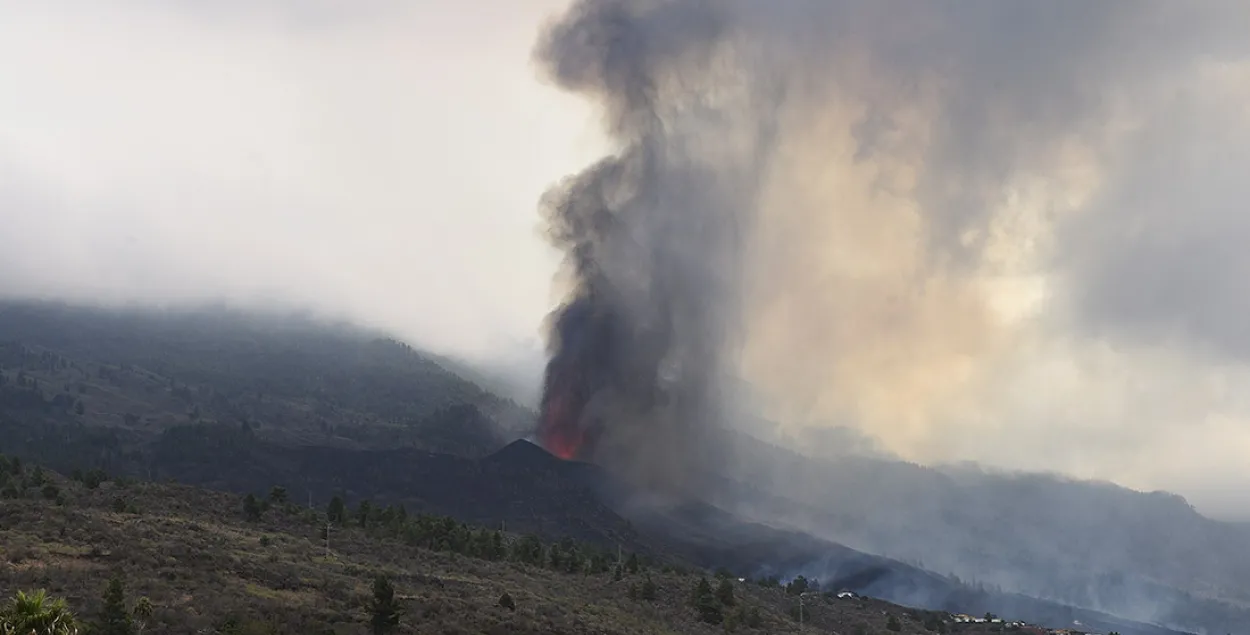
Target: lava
x=559 y=432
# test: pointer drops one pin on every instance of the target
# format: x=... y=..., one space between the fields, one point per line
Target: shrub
x=648 y=590
x=506 y=602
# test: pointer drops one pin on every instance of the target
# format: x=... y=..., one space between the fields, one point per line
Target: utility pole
x=327 y=540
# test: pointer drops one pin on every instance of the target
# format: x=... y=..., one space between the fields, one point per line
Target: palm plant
x=37 y=614
x=142 y=613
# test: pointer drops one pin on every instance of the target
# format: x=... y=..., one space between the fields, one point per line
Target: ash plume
x=895 y=216
x=652 y=236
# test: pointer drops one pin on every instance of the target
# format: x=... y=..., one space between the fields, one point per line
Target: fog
x=375 y=161
x=1001 y=233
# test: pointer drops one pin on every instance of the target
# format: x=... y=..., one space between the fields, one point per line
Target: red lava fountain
x=559 y=431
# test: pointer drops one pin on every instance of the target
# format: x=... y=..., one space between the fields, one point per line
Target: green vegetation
x=301 y=381
x=114 y=617
x=255 y=405
x=37 y=614
x=706 y=604
x=197 y=561
x=384 y=611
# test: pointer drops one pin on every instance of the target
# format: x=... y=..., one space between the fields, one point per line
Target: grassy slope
x=192 y=553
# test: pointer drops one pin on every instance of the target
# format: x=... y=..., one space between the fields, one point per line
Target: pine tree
x=648 y=591
x=725 y=592
x=114 y=618
x=385 y=611
x=753 y=618
x=631 y=564
x=251 y=507
x=705 y=603
x=336 y=512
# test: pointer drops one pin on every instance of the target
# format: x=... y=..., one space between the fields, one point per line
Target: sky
x=381 y=161
x=1010 y=236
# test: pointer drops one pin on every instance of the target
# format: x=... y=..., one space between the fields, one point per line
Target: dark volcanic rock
x=520 y=487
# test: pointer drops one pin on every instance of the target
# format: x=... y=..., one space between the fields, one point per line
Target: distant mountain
x=297 y=379
x=1146 y=556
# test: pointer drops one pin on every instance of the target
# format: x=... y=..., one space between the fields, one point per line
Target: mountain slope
x=207 y=569
x=1147 y=556
x=243 y=403
x=299 y=380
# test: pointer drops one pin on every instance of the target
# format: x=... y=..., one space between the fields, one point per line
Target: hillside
x=239 y=403
x=1145 y=556
x=206 y=567
x=296 y=379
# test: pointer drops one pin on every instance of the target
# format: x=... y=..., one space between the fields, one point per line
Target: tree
x=37 y=614
x=384 y=610
x=705 y=603
x=529 y=549
x=114 y=618
x=631 y=563
x=277 y=495
x=753 y=618
x=251 y=508
x=506 y=602
x=94 y=478
x=648 y=591
x=363 y=512
x=336 y=512
x=142 y=612
x=725 y=592
x=798 y=586
x=893 y=624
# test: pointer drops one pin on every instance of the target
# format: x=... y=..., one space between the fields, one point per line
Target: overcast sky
x=382 y=160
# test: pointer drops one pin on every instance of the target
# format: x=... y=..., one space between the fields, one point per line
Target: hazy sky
x=382 y=159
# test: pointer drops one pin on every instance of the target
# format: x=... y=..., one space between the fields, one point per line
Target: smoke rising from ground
x=966 y=240
x=652 y=234
x=947 y=224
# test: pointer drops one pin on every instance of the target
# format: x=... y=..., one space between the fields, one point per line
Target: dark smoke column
x=651 y=236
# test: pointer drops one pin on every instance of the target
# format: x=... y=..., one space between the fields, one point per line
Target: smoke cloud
x=652 y=234
x=1004 y=232
x=950 y=225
